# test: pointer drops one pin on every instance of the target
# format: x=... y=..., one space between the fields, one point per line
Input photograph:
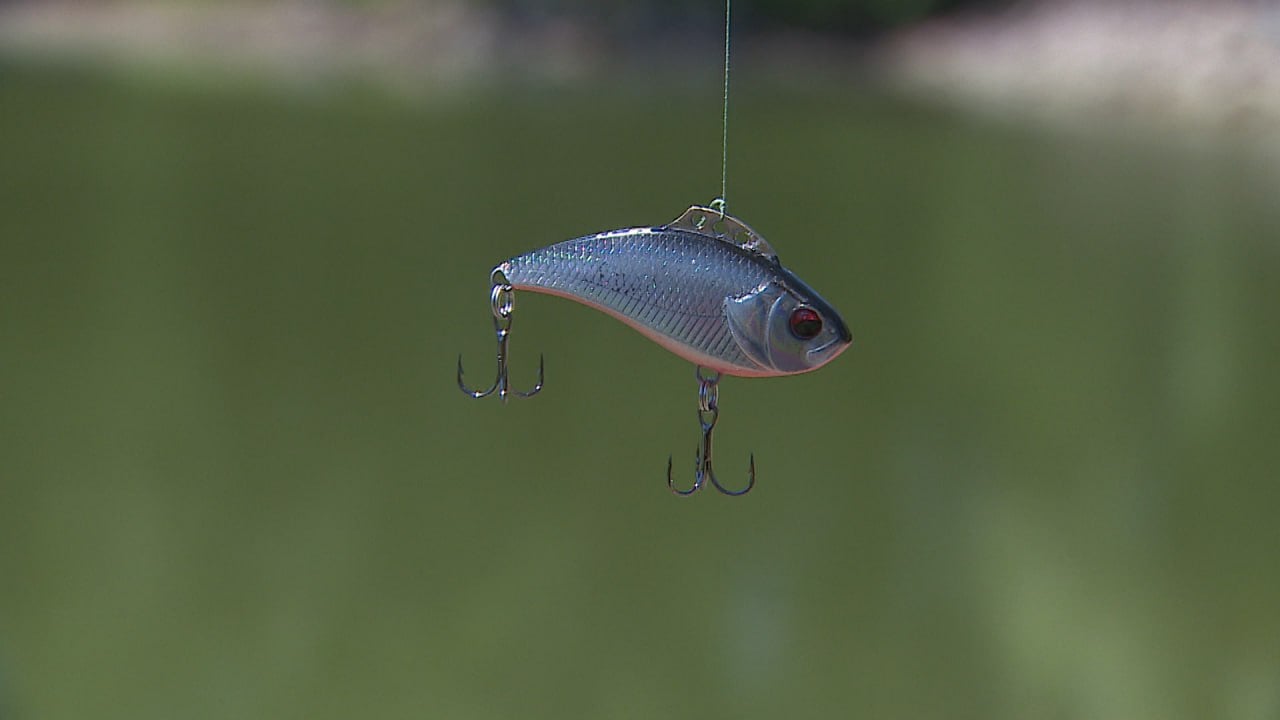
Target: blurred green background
x=238 y=479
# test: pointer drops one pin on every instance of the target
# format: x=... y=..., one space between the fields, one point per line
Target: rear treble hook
x=708 y=413
x=502 y=302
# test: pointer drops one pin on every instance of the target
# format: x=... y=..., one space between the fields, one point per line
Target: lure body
x=718 y=298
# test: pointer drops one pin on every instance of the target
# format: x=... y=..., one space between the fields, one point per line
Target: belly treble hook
x=708 y=414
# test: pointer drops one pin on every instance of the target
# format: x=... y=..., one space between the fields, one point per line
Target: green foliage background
x=237 y=478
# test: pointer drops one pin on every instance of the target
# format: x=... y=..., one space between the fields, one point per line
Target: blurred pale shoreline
x=1197 y=65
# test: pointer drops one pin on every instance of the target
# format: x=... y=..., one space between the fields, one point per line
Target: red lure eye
x=806 y=323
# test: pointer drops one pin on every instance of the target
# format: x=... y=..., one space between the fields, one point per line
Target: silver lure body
x=706 y=287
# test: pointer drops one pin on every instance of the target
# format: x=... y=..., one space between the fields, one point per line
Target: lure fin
x=727 y=228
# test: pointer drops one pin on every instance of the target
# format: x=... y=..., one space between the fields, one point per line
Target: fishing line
x=722 y=203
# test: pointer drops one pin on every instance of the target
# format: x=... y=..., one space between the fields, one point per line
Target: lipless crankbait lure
x=706 y=287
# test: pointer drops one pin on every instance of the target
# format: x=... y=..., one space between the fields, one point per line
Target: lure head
x=785 y=327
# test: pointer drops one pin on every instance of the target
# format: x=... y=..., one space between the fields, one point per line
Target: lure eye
x=806 y=323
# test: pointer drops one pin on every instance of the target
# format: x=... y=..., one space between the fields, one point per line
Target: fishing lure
x=706 y=287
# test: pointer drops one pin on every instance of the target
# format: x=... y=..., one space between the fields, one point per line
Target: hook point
x=751 y=481
x=697 y=483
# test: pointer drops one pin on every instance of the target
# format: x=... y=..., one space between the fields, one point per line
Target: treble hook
x=708 y=413
x=502 y=302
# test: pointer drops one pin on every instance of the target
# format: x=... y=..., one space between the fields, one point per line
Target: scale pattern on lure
x=706 y=287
